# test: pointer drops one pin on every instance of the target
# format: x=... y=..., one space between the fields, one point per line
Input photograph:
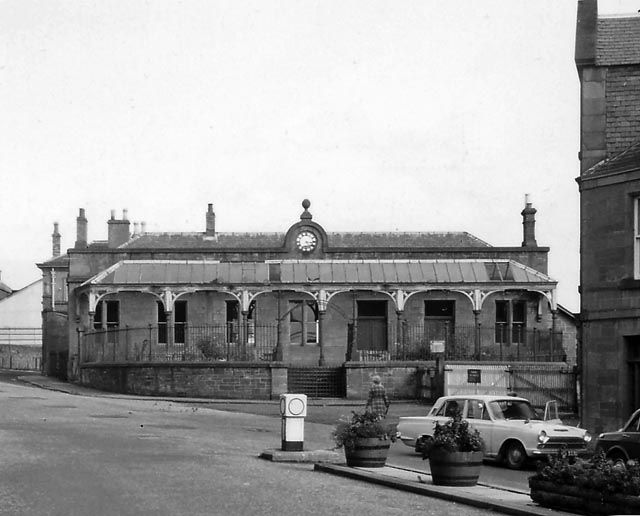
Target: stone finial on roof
x=305 y=214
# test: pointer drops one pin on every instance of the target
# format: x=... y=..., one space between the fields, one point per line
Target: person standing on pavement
x=378 y=402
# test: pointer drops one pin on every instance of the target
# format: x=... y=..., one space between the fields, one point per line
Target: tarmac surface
x=483 y=496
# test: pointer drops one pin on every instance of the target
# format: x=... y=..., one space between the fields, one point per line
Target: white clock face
x=306 y=241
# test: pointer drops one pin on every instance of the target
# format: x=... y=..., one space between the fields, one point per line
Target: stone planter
x=455 y=468
x=367 y=452
x=581 y=500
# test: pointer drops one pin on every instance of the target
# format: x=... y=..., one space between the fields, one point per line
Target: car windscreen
x=513 y=409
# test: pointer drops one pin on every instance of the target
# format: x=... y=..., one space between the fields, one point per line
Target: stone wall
x=250 y=381
x=20 y=357
x=222 y=381
x=401 y=380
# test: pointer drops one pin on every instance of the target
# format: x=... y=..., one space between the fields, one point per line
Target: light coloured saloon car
x=512 y=430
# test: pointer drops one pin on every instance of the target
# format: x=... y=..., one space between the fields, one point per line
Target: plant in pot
x=366 y=438
x=592 y=485
x=455 y=453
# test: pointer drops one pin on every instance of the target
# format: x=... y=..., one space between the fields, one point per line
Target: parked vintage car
x=623 y=444
x=511 y=428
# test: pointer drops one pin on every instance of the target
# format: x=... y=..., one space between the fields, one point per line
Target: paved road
x=72 y=455
x=399 y=454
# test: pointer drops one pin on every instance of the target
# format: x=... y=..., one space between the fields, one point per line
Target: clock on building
x=306 y=241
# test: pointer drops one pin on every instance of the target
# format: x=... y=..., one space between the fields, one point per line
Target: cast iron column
x=321 y=335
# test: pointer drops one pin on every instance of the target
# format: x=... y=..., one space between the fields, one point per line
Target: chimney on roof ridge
x=210 y=222
x=143 y=227
x=55 y=240
x=118 y=230
x=136 y=228
x=81 y=230
x=528 y=223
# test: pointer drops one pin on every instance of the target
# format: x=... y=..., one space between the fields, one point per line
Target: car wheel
x=617 y=457
x=515 y=456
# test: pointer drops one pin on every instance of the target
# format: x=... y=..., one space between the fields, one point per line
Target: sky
x=418 y=115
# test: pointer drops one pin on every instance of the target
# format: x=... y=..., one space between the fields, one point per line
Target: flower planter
x=367 y=452
x=455 y=468
x=581 y=500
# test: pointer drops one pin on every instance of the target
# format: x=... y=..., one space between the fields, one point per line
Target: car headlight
x=587 y=437
x=543 y=437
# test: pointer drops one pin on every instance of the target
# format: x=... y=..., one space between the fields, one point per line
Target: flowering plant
x=597 y=473
x=362 y=425
x=453 y=436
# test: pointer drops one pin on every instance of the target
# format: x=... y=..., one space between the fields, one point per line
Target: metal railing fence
x=193 y=343
x=478 y=343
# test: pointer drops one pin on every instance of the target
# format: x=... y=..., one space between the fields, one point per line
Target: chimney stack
x=81 y=232
x=118 y=229
x=55 y=238
x=143 y=227
x=528 y=223
x=211 y=222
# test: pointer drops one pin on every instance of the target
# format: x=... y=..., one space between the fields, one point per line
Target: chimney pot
x=529 y=224
x=81 y=230
x=118 y=230
x=55 y=238
x=210 y=221
x=124 y=214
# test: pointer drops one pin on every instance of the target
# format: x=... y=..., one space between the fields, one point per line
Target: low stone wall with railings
x=215 y=380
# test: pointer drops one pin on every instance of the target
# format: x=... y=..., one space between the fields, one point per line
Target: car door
x=630 y=439
x=479 y=418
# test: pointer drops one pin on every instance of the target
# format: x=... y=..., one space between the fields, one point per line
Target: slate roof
x=238 y=241
x=56 y=261
x=624 y=161
x=327 y=272
x=618 y=41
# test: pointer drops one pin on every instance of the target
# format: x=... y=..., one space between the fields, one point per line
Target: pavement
x=484 y=496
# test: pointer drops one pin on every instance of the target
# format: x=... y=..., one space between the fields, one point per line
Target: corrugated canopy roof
x=329 y=272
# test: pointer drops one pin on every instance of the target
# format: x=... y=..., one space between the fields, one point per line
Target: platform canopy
x=329 y=272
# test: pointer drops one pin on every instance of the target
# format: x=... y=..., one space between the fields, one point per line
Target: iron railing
x=478 y=343
x=194 y=343
x=257 y=343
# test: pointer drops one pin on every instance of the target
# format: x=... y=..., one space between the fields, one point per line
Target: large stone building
x=302 y=297
x=608 y=61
